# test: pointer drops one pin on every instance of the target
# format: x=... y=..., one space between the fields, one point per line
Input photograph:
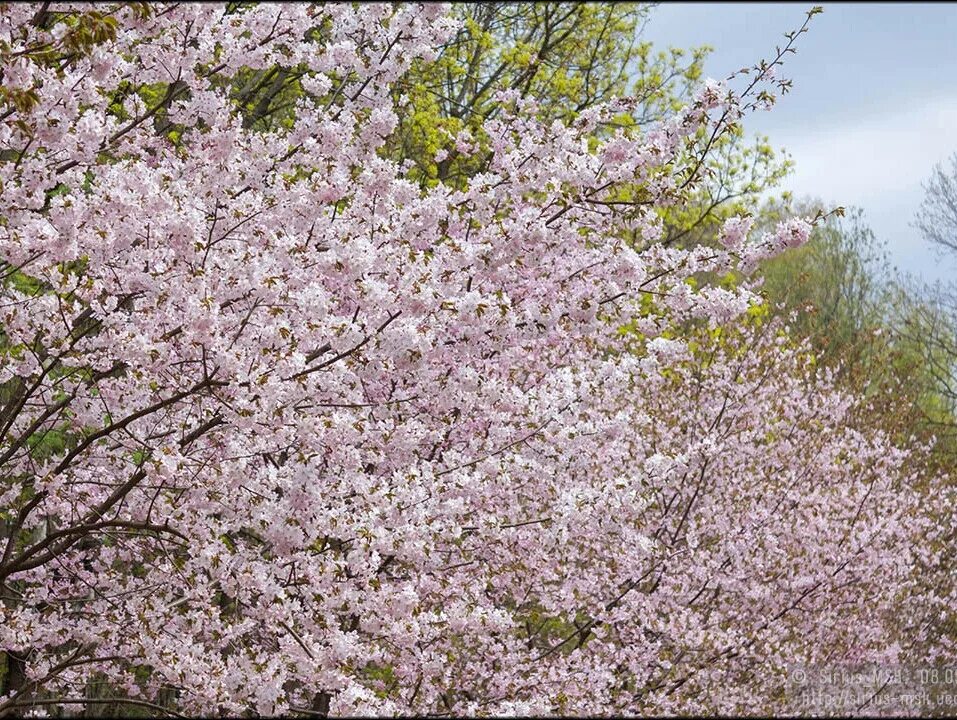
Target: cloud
x=878 y=163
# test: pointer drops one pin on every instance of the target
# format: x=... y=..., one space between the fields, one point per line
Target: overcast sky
x=872 y=109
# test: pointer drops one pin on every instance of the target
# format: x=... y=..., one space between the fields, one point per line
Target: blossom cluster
x=330 y=441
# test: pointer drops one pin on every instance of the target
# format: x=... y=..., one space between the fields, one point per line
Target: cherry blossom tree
x=283 y=431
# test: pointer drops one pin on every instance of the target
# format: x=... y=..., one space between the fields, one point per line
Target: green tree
x=835 y=283
x=570 y=56
x=884 y=337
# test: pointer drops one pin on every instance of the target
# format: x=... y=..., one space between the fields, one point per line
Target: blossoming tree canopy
x=282 y=430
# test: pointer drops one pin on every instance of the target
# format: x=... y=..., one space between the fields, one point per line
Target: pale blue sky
x=872 y=109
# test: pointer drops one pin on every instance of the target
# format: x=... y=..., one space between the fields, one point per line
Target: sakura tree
x=283 y=431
